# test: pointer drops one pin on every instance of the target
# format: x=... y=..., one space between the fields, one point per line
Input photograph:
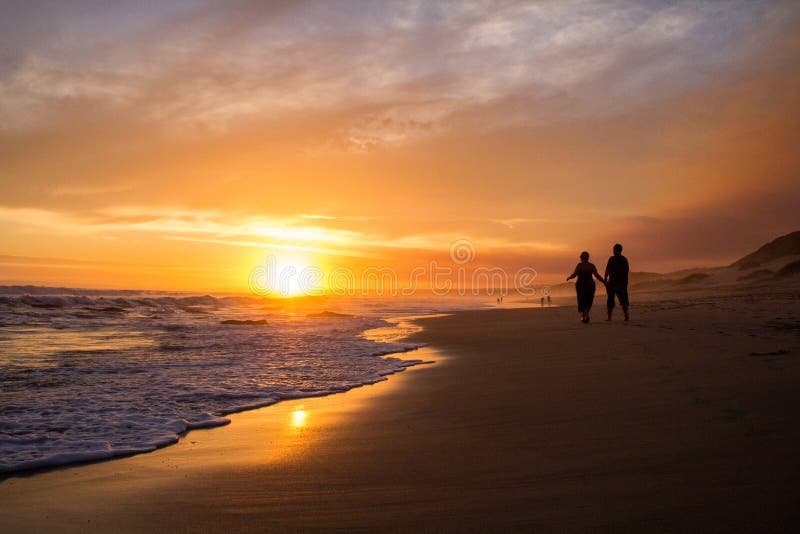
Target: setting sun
x=287 y=274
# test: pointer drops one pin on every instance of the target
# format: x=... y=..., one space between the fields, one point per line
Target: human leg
x=623 y=300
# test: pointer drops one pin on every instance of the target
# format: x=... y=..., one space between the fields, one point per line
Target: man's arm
x=597 y=275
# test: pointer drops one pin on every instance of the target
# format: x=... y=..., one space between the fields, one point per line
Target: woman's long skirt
x=585 y=296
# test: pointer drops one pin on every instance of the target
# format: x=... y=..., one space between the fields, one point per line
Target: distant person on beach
x=616 y=279
x=585 y=286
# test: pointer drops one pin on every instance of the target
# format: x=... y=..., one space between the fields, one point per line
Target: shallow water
x=93 y=377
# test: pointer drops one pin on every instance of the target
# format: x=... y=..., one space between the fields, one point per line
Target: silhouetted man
x=616 y=279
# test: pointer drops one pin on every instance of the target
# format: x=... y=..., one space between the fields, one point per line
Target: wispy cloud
x=411 y=67
x=166 y=221
x=338 y=252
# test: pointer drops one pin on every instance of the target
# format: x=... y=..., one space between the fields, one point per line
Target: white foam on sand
x=92 y=378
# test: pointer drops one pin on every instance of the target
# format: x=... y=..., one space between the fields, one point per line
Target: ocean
x=90 y=374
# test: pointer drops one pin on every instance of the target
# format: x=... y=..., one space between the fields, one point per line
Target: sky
x=175 y=145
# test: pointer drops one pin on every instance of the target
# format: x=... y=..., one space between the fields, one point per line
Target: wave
x=77 y=391
x=25 y=452
x=94 y=374
x=190 y=304
x=51 y=454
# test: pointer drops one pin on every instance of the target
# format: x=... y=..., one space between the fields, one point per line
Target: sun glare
x=293 y=274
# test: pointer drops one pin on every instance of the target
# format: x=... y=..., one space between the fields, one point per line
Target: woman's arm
x=597 y=275
x=574 y=273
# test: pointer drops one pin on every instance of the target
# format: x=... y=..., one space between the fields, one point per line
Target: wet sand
x=683 y=419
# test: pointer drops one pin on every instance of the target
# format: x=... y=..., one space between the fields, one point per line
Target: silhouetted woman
x=585 y=285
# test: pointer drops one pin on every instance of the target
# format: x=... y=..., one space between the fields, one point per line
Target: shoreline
x=398 y=338
x=24 y=495
x=398 y=323
x=530 y=420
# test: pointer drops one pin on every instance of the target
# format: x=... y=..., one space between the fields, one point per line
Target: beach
x=329 y=266
x=682 y=419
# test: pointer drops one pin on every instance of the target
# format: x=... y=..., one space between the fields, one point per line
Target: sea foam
x=91 y=377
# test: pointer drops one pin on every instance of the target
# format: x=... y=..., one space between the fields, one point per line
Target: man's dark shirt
x=617 y=270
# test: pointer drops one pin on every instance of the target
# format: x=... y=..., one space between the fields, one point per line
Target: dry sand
x=683 y=419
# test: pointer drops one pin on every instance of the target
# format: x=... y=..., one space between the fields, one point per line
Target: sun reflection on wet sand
x=289 y=433
x=299 y=417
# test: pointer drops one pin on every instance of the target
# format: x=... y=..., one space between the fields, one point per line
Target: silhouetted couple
x=615 y=280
